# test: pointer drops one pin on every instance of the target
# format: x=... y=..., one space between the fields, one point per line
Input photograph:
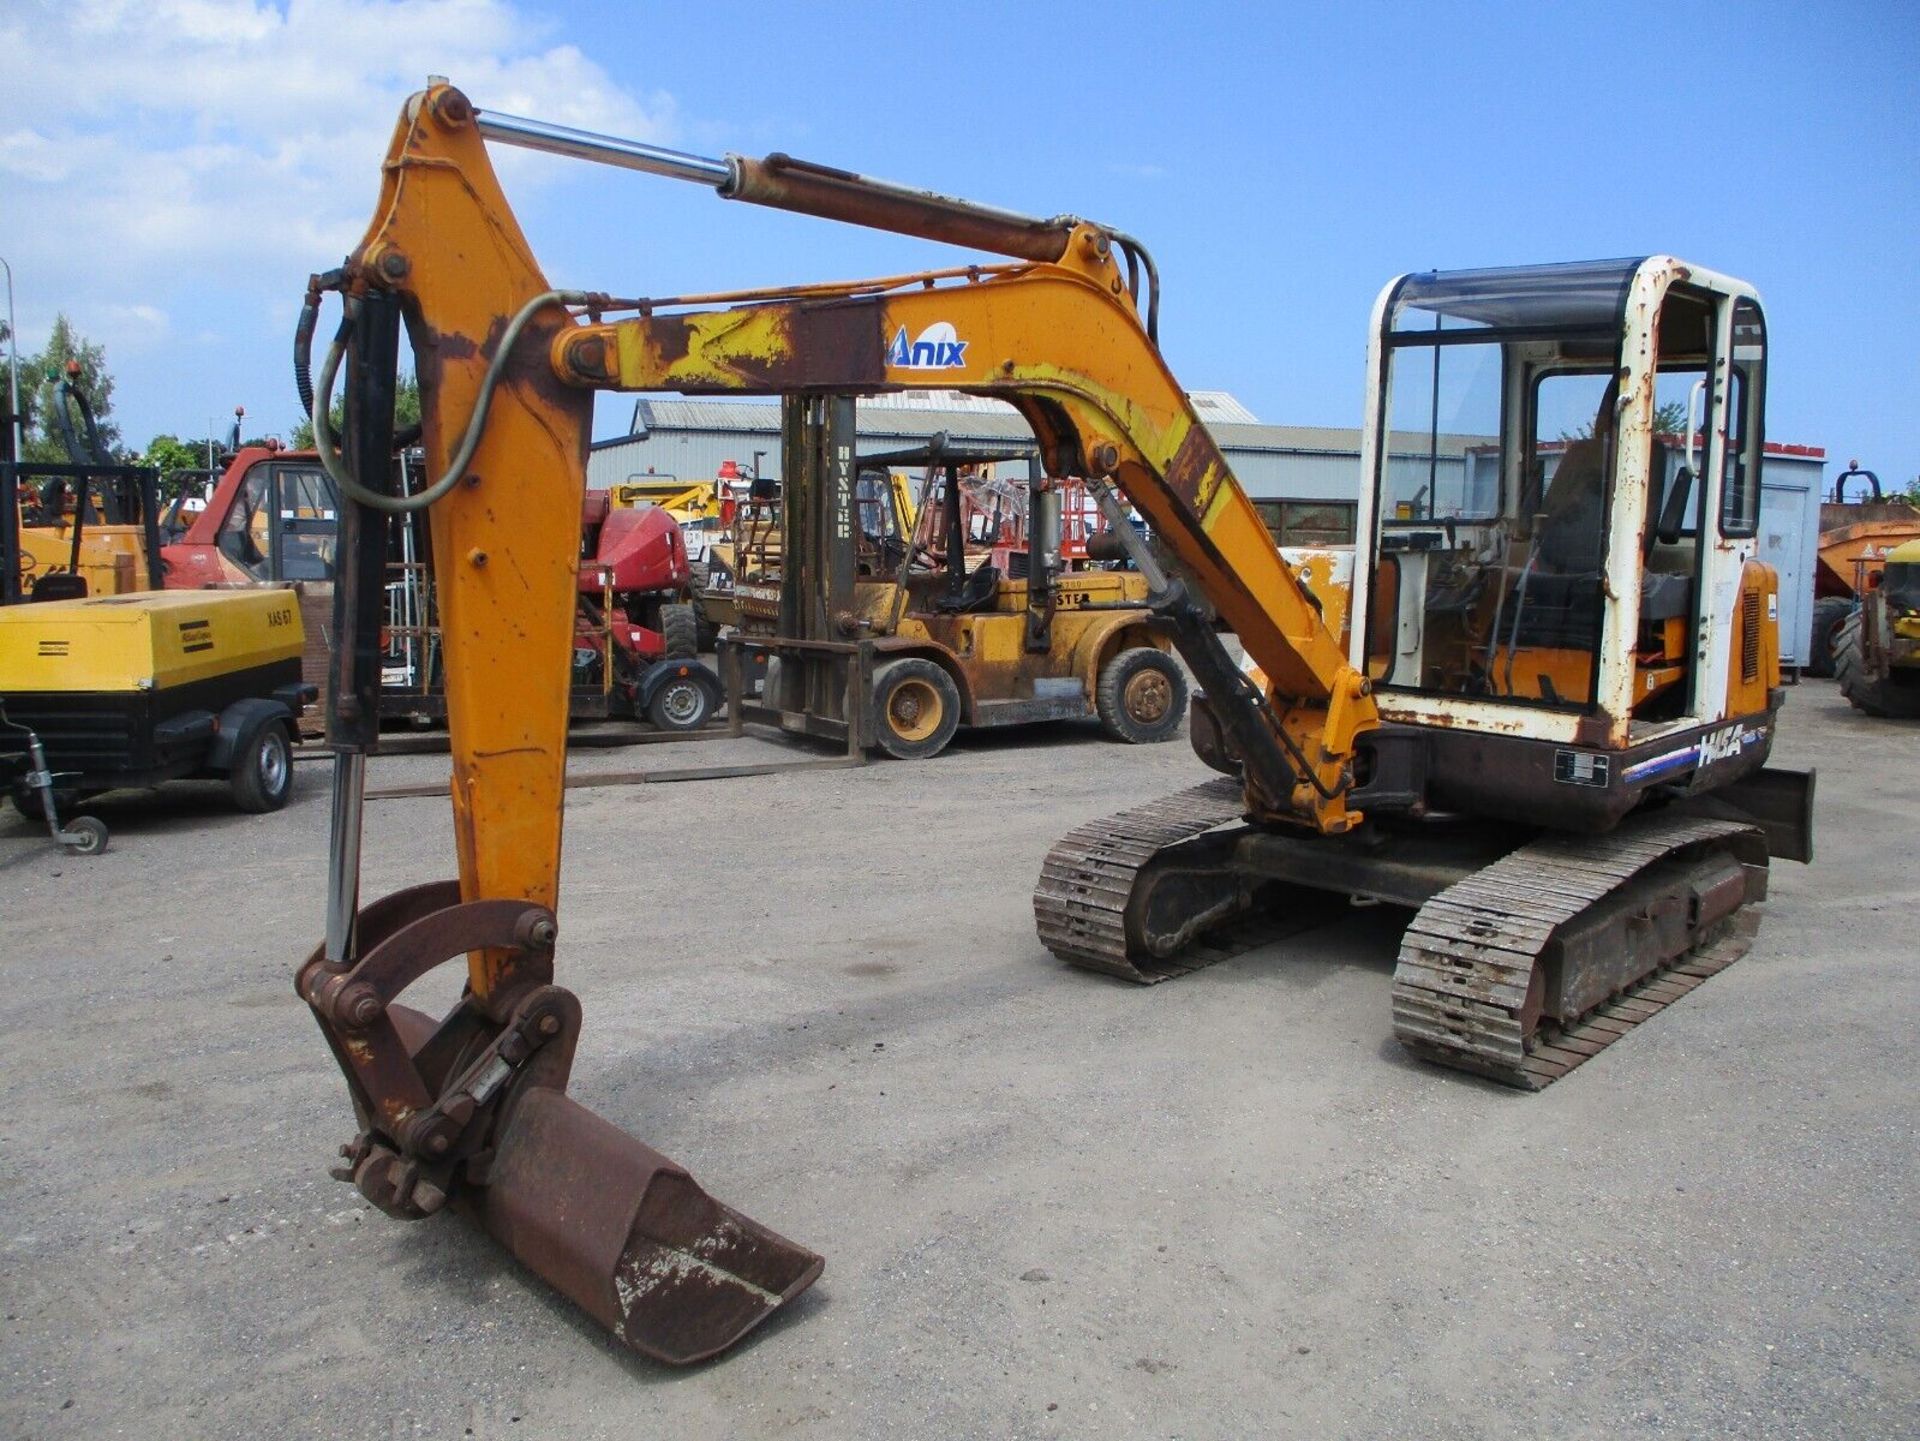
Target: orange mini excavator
x=1532 y=704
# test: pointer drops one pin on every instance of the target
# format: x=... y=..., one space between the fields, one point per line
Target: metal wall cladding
x=691 y=439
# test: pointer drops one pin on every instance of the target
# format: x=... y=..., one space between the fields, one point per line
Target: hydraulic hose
x=65 y=393
x=334 y=464
x=1138 y=254
x=303 y=349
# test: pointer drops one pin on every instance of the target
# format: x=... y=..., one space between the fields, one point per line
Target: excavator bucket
x=471 y=1113
x=630 y=1237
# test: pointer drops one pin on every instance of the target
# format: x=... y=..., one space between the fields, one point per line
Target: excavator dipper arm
x=471 y=1110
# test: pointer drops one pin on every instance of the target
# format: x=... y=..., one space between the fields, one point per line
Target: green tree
x=39 y=397
x=1671 y=418
x=169 y=454
x=1668 y=419
x=406 y=411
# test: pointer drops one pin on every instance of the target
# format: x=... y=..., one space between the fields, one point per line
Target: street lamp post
x=13 y=368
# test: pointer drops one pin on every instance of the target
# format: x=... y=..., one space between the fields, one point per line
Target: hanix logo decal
x=939 y=347
x=1728 y=742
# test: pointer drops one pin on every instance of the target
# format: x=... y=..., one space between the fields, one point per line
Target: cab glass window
x=1746 y=423
x=246 y=535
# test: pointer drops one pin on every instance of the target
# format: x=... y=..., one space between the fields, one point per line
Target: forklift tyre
x=1141 y=696
x=262 y=774
x=680 y=629
x=916 y=708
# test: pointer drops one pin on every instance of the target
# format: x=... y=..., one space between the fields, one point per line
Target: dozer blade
x=629 y=1236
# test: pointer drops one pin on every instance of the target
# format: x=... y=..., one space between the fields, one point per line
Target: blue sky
x=171 y=171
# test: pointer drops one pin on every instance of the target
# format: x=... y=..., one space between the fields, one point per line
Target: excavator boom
x=471 y=1108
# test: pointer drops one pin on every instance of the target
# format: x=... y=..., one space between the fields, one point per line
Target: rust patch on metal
x=838 y=343
x=1188 y=470
x=672 y=338
x=472 y=1110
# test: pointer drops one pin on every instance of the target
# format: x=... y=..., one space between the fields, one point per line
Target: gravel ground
x=1051 y=1205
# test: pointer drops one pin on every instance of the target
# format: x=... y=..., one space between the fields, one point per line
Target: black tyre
x=681 y=704
x=699 y=574
x=85 y=836
x=1876 y=695
x=916 y=708
x=1141 y=696
x=680 y=627
x=1829 y=614
x=262 y=774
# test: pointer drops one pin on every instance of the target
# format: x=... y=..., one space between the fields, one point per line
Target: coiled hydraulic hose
x=334 y=463
x=303 y=346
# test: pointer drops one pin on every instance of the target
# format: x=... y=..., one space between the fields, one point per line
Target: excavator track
x=1468 y=986
x=1473 y=953
x=1087 y=879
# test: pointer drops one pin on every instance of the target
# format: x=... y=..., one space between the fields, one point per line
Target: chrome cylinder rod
x=606 y=149
x=343 y=853
x=1131 y=541
x=784 y=183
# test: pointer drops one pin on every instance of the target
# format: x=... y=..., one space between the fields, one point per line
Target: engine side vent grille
x=1750 y=636
x=55 y=648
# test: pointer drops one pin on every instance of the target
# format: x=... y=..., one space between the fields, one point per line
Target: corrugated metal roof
x=650 y=415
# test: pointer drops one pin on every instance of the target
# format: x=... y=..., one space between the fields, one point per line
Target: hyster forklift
x=1546 y=726
x=942 y=627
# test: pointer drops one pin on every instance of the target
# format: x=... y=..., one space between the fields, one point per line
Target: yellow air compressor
x=133 y=690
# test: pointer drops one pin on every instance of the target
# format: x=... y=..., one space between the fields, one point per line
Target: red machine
x=273 y=517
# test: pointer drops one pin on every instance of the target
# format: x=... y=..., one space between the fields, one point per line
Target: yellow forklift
x=945 y=617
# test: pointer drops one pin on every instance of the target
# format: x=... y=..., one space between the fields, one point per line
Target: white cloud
x=232 y=145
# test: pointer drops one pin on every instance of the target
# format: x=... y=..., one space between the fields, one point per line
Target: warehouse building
x=1304 y=479
x=1302 y=476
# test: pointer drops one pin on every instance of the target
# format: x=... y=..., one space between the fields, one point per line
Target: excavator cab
x=1562 y=497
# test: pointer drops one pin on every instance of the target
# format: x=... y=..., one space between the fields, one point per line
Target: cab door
x=1686 y=510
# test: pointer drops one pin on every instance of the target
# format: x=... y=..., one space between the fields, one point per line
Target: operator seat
x=977 y=593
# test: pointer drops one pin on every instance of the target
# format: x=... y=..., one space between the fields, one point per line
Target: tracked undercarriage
x=1526 y=953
